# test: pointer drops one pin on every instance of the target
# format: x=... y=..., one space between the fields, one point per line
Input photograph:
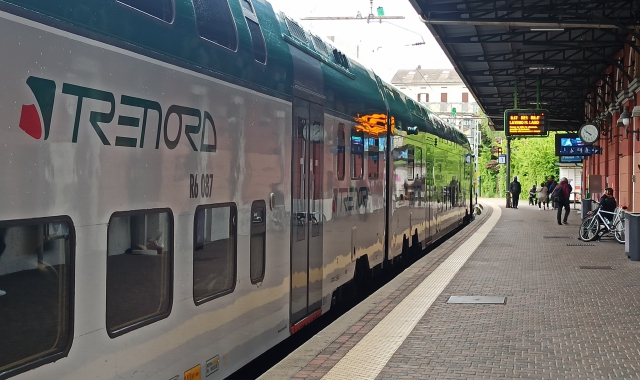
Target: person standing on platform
x=551 y=185
x=543 y=197
x=515 y=189
x=560 y=196
x=532 y=195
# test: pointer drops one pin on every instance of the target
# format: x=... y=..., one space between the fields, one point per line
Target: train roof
x=173 y=36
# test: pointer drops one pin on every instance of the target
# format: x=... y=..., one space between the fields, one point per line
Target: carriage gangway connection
x=539 y=304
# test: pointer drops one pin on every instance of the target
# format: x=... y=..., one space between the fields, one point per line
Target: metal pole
x=508 y=163
x=538 y=93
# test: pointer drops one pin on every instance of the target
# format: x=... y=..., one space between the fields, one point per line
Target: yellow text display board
x=532 y=123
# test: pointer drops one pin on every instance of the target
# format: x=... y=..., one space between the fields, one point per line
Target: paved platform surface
x=572 y=310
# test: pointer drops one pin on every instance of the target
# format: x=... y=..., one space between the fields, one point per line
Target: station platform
x=571 y=309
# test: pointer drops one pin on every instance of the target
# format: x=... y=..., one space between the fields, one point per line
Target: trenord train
x=186 y=183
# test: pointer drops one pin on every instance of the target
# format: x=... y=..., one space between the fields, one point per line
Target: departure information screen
x=530 y=123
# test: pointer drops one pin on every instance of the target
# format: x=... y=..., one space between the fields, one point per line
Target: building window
x=214 y=251
x=36 y=292
x=423 y=97
x=465 y=97
x=139 y=269
x=215 y=22
x=357 y=154
x=443 y=97
x=162 y=9
x=341 y=155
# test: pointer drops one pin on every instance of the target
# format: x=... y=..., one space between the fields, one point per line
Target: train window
x=246 y=4
x=257 y=41
x=411 y=163
x=139 y=269
x=214 y=251
x=341 y=148
x=373 y=155
x=36 y=292
x=417 y=162
x=257 y=249
x=357 y=154
x=160 y=9
x=215 y=22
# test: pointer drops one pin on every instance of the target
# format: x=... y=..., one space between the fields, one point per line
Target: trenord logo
x=44 y=91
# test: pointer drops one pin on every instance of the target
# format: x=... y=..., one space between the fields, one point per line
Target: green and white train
x=186 y=183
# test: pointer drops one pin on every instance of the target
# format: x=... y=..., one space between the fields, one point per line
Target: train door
x=306 y=209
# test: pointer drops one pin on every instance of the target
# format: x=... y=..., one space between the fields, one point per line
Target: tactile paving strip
x=367 y=358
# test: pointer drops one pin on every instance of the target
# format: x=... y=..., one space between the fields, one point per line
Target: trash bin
x=508 y=199
x=632 y=236
x=586 y=207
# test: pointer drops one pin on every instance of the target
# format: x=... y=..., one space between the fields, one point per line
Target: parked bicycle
x=597 y=224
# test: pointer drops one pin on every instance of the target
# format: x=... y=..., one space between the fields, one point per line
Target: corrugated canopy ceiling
x=566 y=45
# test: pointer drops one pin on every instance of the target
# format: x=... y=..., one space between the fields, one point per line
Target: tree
x=532 y=161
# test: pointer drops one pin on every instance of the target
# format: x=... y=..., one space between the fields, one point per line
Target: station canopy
x=565 y=44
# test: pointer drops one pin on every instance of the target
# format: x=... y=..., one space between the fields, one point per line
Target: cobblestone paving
x=559 y=321
x=328 y=358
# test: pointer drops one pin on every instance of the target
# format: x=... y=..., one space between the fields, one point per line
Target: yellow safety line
x=367 y=358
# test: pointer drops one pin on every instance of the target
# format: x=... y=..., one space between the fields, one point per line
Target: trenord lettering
x=205 y=125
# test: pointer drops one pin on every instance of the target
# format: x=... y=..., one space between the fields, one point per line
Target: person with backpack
x=515 y=189
x=561 y=194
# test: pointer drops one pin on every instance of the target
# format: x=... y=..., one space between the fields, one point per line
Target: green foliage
x=532 y=161
x=491 y=174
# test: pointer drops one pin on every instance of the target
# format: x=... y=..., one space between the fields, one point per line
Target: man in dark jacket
x=551 y=185
x=562 y=193
x=515 y=189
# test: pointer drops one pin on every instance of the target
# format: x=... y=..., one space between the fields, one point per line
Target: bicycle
x=596 y=225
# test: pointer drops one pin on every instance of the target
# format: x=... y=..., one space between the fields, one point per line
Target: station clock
x=589 y=133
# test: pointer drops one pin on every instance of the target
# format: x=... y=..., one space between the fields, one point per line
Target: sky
x=384 y=47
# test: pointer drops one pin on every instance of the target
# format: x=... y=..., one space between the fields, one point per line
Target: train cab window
x=214 y=251
x=215 y=22
x=411 y=162
x=257 y=39
x=246 y=4
x=160 y=9
x=36 y=292
x=357 y=154
x=373 y=158
x=257 y=249
x=139 y=269
x=341 y=149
